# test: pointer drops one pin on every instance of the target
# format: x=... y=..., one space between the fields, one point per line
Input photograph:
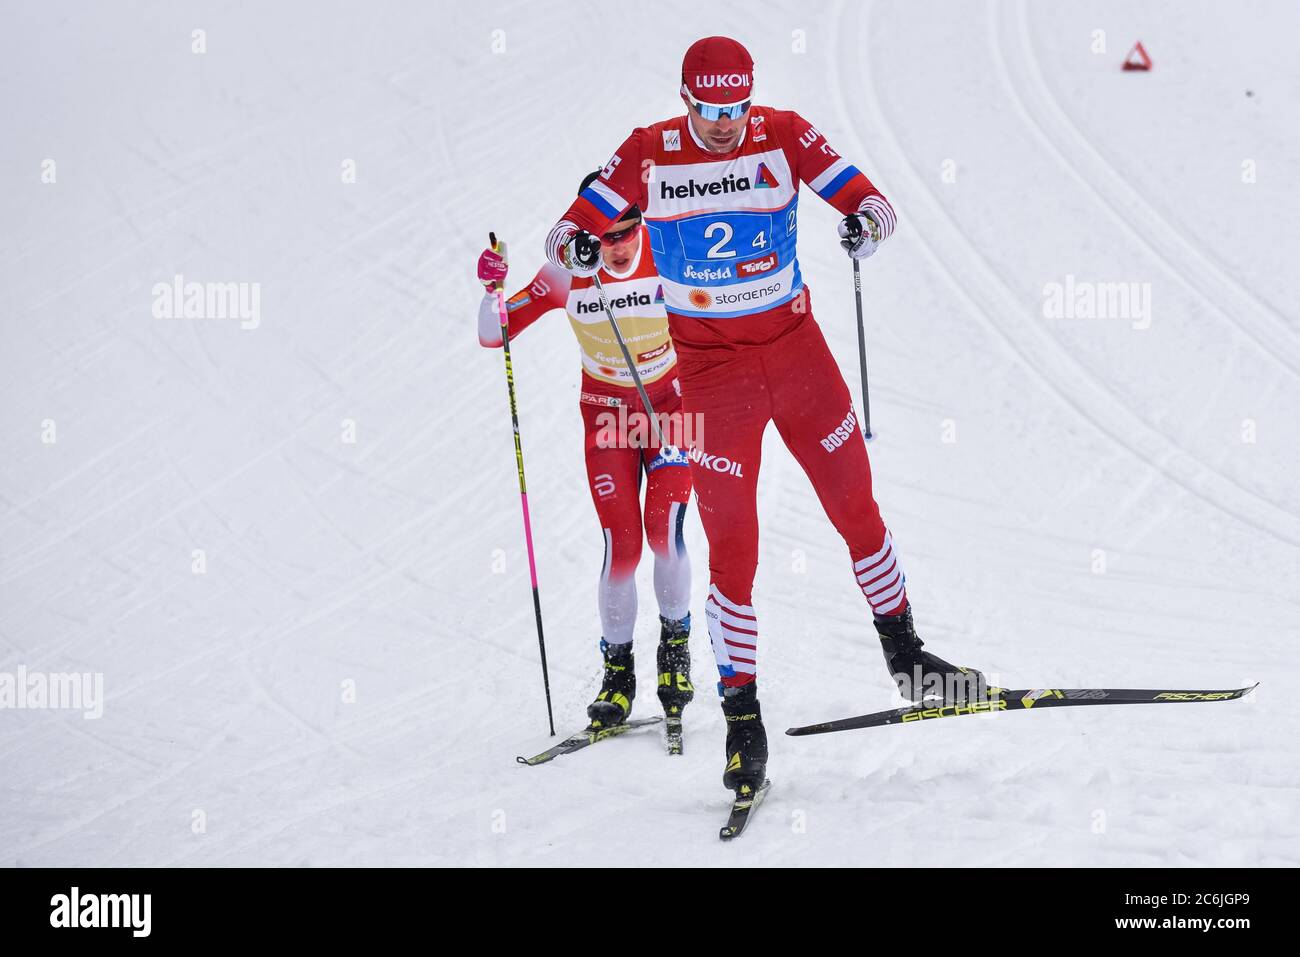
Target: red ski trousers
x=733 y=393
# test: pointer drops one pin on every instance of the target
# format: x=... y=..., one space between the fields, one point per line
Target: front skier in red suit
x=719 y=190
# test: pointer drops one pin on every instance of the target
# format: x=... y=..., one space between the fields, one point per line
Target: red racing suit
x=723 y=229
x=618 y=443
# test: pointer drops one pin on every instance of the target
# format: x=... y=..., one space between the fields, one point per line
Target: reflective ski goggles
x=712 y=112
x=622 y=235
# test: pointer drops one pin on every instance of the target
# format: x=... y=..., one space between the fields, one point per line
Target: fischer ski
x=742 y=808
x=585 y=738
x=1003 y=700
x=674 y=731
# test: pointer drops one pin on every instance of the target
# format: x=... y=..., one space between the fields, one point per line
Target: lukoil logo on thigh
x=715 y=463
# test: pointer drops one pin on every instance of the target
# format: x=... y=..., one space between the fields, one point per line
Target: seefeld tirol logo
x=621 y=302
x=706 y=274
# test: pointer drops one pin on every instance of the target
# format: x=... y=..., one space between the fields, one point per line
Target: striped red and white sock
x=733 y=632
x=881 y=579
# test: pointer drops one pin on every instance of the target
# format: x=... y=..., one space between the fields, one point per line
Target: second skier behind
x=620 y=449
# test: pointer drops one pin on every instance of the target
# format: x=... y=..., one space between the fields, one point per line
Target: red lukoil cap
x=718 y=71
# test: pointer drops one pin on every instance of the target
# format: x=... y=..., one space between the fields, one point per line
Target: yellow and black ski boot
x=919 y=674
x=746 y=738
x=675 y=689
x=617 y=691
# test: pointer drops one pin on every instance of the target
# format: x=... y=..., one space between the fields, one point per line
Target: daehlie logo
x=622 y=302
x=719 y=81
x=715 y=463
x=728 y=184
x=690 y=272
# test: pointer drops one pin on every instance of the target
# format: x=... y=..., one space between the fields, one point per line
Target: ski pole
x=862 y=353
x=631 y=367
x=500 y=248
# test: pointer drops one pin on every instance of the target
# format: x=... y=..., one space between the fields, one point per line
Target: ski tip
x=805 y=729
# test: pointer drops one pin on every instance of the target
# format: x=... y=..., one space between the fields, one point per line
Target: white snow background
x=1078 y=502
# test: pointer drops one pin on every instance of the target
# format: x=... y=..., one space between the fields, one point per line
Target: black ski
x=675 y=735
x=1003 y=700
x=585 y=738
x=746 y=802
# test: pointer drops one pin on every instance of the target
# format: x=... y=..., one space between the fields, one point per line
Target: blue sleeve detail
x=593 y=197
x=835 y=185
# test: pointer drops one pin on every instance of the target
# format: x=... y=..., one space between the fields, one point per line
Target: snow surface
x=396 y=562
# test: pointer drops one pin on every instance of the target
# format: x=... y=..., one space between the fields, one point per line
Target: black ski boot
x=746 y=738
x=920 y=675
x=618 y=690
x=674 y=661
x=675 y=688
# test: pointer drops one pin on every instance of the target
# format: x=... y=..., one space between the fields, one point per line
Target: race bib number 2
x=719 y=238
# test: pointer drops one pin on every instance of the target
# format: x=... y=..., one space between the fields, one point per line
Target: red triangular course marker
x=1137 y=58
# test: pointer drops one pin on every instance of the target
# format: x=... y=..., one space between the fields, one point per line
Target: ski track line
x=376 y=576
x=311 y=497
x=253 y=561
x=81 y=354
x=400 y=708
x=85 y=464
x=123 y=252
x=75 y=726
x=6 y=640
x=197 y=175
x=1153 y=223
x=205 y=354
x=263 y=689
x=241 y=642
x=1277 y=350
x=288 y=436
x=396 y=714
x=72 y=530
x=142 y=683
x=262 y=835
x=1278 y=342
x=1224 y=494
x=68 y=828
x=1088 y=375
